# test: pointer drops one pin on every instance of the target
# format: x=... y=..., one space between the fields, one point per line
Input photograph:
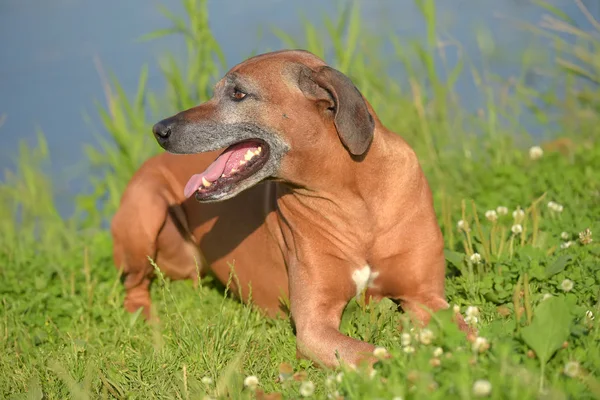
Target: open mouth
x=237 y=163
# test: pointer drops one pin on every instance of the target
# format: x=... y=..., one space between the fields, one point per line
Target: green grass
x=63 y=330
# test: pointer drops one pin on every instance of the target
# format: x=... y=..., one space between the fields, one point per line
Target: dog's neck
x=339 y=177
x=347 y=191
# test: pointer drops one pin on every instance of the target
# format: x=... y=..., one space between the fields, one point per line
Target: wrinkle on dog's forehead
x=290 y=75
x=265 y=77
x=270 y=70
x=244 y=82
x=273 y=65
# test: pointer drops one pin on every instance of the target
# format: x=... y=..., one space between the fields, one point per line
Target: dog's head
x=278 y=115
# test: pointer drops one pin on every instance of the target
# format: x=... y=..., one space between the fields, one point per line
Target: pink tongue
x=212 y=173
x=228 y=160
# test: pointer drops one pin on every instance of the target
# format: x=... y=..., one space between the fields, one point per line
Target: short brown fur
x=324 y=215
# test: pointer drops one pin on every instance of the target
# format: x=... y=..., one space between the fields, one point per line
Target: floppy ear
x=353 y=122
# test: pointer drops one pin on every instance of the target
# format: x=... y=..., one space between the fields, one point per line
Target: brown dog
x=313 y=198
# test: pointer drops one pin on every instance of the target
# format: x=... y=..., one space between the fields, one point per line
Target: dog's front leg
x=416 y=281
x=318 y=294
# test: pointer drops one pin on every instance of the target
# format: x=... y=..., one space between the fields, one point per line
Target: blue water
x=49 y=79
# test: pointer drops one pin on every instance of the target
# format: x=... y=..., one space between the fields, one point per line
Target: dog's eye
x=238 y=95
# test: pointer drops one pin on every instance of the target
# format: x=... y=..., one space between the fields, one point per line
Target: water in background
x=50 y=81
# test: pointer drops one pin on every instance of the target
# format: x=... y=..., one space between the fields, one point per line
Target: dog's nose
x=162 y=130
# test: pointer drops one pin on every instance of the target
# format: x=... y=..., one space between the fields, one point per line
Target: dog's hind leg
x=178 y=256
x=135 y=229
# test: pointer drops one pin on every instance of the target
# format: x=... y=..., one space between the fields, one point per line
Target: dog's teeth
x=258 y=151
x=242 y=162
x=249 y=155
x=233 y=171
x=205 y=182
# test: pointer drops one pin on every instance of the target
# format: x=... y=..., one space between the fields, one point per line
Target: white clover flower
x=502 y=210
x=536 y=152
x=491 y=215
x=475 y=258
x=330 y=382
x=566 y=245
x=555 y=206
x=462 y=225
x=517 y=229
x=480 y=345
x=589 y=315
x=405 y=339
x=251 y=382
x=408 y=349
x=546 y=296
x=307 y=388
x=472 y=311
x=380 y=352
x=426 y=336
x=567 y=285
x=471 y=320
x=437 y=352
x=339 y=377
x=564 y=235
x=571 y=369
x=456 y=308
x=518 y=215
x=482 y=388
x=585 y=237
x=207 y=380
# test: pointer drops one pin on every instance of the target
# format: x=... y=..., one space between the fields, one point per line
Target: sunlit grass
x=518 y=221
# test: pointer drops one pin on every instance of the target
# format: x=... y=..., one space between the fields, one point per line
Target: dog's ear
x=353 y=122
